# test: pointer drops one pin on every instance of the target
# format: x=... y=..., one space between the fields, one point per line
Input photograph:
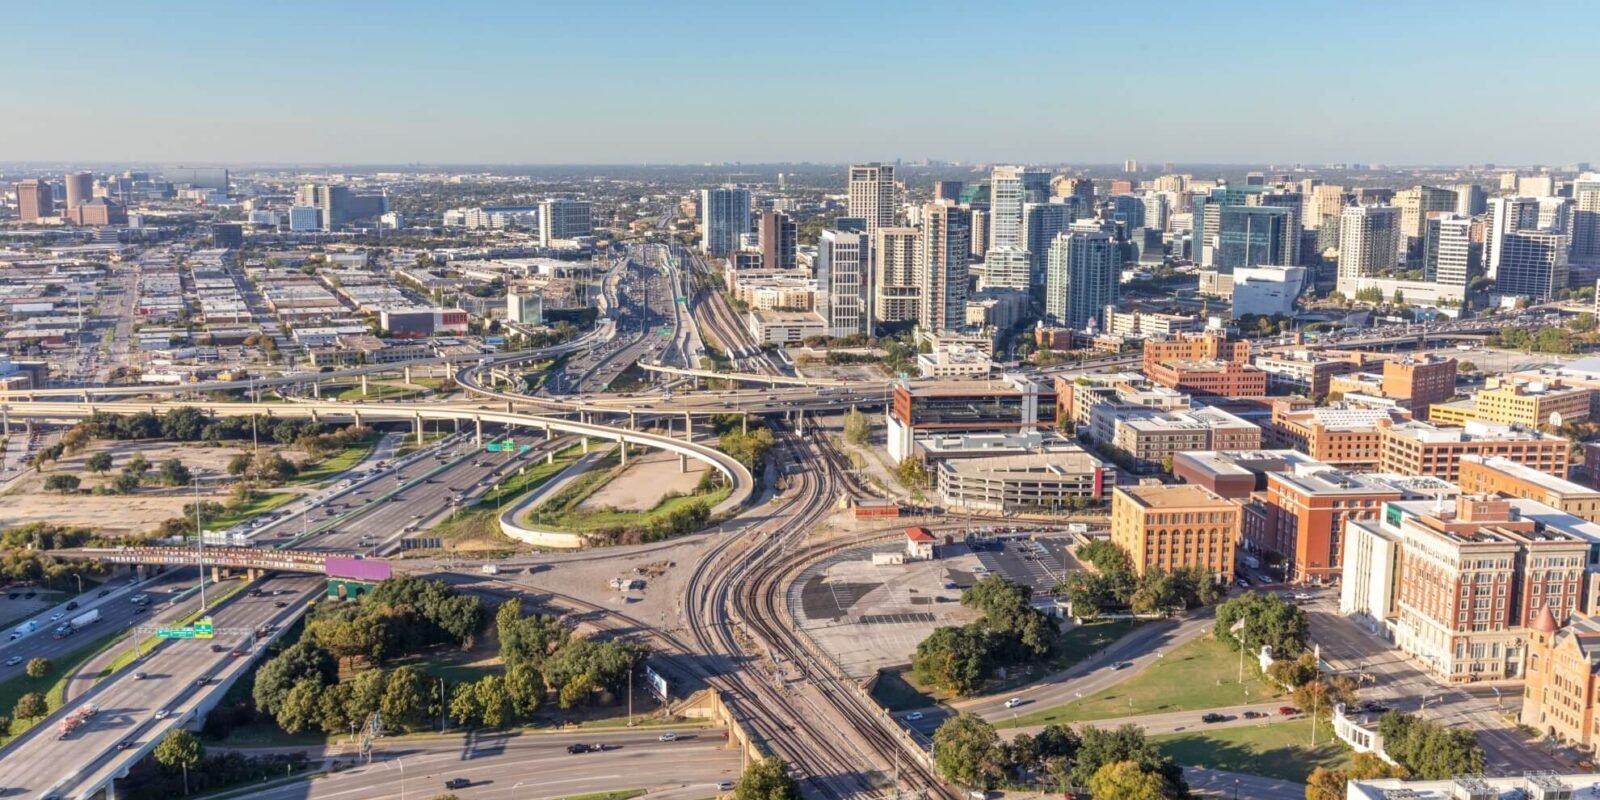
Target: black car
x=457 y=783
x=280 y=604
x=202 y=680
x=103 y=593
x=72 y=606
x=126 y=744
x=577 y=748
x=1212 y=717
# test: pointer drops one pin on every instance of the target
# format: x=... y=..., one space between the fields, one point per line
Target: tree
x=1430 y=750
x=1124 y=780
x=299 y=661
x=464 y=706
x=912 y=473
x=301 y=709
x=137 y=465
x=526 y=688
x=174 y=473
x=30 y=706
x=39 y=667
x=404 y=707
x=767 y=779
x=125 y=483
x=99 y=463
x=494 y=704
x=856 y=428
x=967 y=752
x=239 y=464
x=1099 y=748
x=180 y=749
x=1268 y=620
x=1293 y=673
x=954 y=658
x=1326 y=784
x=366 y=693
x=62 y=482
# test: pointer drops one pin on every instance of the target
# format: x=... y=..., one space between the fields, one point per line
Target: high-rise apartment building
x=1175 y=527
x=1415 y=204
x=1367 y=236
x=942 y=257
x=1586 y=220
x=1471 y=199
x=872 y=194
x=561 y=218
x=1507 y=215
x=844 y=281
x=1041 y=223
x=896 y=297
x=1010 y=188
x=1322 y=201
x=1083 y=276
x=34 y=200
x=1158 y=210
x=978 y=235
x=80 y=188
x=947 y=191
x=332 y=201
x=1450 y=257
x=1127 y=210
x=724 y=217
x=776 y=232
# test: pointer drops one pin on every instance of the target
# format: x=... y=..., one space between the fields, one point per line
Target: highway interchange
x=783 y=694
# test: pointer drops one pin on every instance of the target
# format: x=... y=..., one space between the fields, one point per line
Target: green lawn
x=895 y=692
x=596 y=520
x=1083 y=641
x=1198 y=675
x=1280 y=750
x=332 y=466
x=263 y=503
x=53 y=686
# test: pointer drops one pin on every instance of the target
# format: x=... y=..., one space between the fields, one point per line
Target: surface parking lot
x=1039 y=564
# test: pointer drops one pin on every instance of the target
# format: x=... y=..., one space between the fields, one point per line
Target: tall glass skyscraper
x=1085 y=264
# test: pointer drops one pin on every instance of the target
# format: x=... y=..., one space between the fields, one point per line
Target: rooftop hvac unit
x=1469 y=787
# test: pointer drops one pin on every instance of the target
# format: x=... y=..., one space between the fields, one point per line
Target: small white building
x=919 y=544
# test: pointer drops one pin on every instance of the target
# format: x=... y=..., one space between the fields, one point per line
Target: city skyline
x=645 y=84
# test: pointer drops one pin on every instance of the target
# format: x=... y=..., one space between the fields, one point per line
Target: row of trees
x=1114 y=585
x=179 y=765
x=1115 y=764
x=958 y=658
x=537 y=650
x=25 y=560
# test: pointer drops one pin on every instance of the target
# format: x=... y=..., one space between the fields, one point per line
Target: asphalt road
x=39 y=762
x=1216 y=783
x=1402 y=685
x=116 y=613
x=532 y=766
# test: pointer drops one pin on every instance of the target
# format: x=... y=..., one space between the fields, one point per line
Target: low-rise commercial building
x=1340 y=436
x=1500 y=475
x=942 y=408
x=954 y=362
x=1235 y=474
x=785 y=328
x=1307 y=507
x=1143 y=440
x=1532 y=404
x=1175 y=527
x=1306 y=372
x=1418 y=448
x=1421 y=381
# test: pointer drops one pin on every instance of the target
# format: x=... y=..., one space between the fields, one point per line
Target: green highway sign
x=682 y=299
x=201 y=629
x=524 y=448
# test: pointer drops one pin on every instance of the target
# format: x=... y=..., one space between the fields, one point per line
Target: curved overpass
x=605 y=330
x=742 y=481
x=750 y=377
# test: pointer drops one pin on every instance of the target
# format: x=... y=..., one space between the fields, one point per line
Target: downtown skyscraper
x=1007 y=262
x=1368 y=237
x=1085 y=268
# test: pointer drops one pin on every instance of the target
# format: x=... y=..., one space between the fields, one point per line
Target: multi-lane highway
x=42 y=762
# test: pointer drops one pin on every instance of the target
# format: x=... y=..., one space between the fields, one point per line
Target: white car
x=725 y=786
x=162 y=713
x=1302 y=596
x=57 y=615
x=914 y=716
x=13 y=661
x=669 y=736
x=1014 y=702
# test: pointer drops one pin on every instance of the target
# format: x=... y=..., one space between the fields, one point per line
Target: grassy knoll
x=1200 y=674
x=1281 y=750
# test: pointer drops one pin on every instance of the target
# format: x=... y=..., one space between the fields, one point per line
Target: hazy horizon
x=632 y=84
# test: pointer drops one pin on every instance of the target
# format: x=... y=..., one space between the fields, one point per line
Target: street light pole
x=200 y=545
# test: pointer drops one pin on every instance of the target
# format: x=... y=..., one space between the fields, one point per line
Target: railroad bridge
x=348 y=575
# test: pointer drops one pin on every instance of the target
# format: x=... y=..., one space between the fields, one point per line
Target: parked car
x=1253 y=715
x=1212 y=717
x=1288 y=711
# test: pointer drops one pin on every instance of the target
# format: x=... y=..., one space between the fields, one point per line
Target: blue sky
x=624 y=82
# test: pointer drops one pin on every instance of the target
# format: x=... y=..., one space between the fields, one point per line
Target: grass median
x=1198 y=675
x=52 y=686
x=332 y=466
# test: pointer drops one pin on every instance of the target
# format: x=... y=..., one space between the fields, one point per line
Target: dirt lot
x=28 y=501
x=647 y=479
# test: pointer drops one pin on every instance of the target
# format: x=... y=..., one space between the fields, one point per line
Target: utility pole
x=200 y=545
x=630 y=698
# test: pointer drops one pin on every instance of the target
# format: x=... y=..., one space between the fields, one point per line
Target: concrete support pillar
x=139 y=571
x=586 y=445
x=549 y=433
x=688 y=427
x=683 y=463
x=550 y=457
x=744 y=422
x=316 y=389
x=358 y=419
x=457 y=421
x=623 y=448
x=216 y=574
x=363 y=384
x=408 y=374
x=314 y=417
x=477 y=436
x=419 y=430
x=633 y=421
x=508 y=406
x=5 y=419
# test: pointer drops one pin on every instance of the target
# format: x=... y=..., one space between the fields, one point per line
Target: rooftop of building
x=1549 y=524
x=1065 y=462
x=1341 y=417
x=1533 y=388
x=1244 y=462
x=1508 y=788
x=1008 y=443
x=1181 y=495
x=1320 y=479
x=1182 y=419
x=770 y=317
x=1474 y=431
x=953 y=388
x=1521 y=472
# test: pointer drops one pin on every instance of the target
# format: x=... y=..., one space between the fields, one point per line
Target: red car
x=1288 y=710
